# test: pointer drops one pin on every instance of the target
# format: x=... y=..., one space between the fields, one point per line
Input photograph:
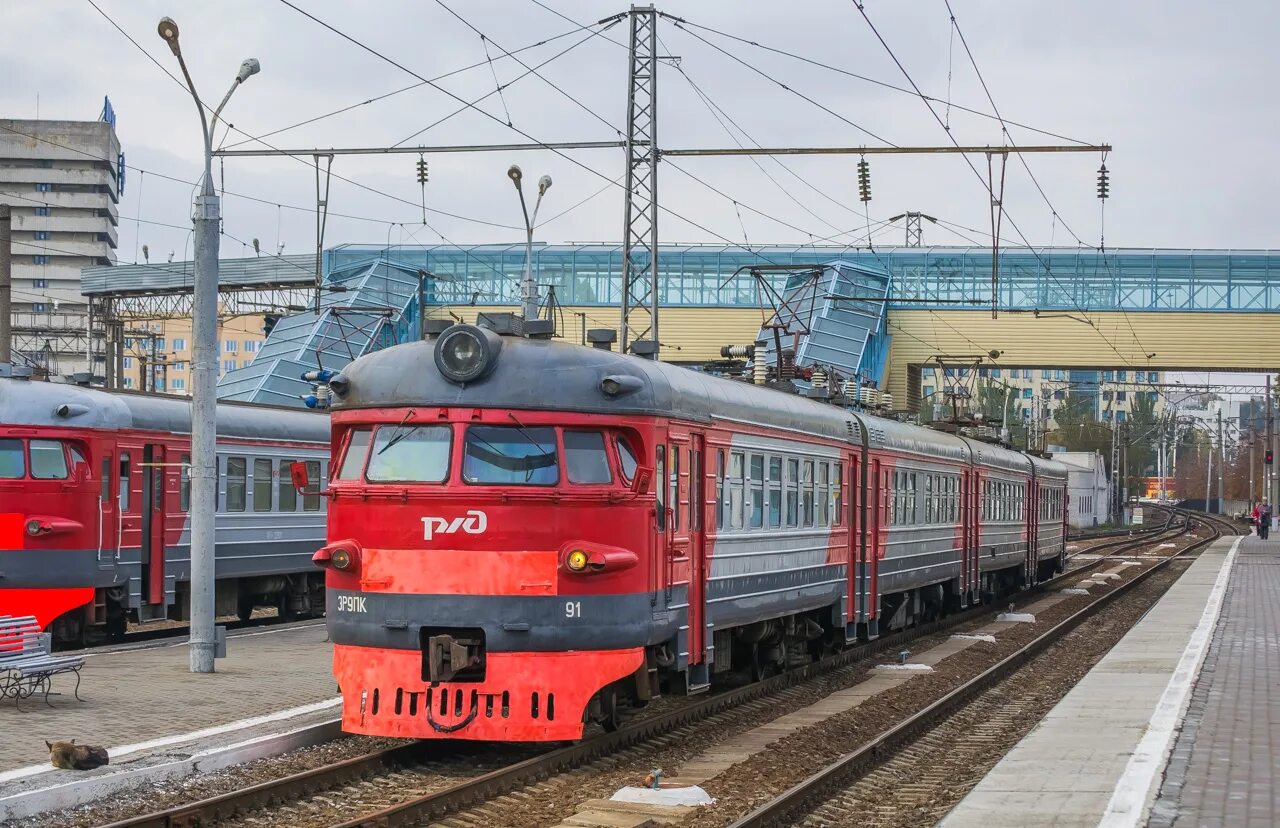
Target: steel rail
x=788 y=805
x=497 y=782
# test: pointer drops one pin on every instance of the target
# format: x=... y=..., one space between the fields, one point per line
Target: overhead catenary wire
x=874 y=81
x=1027 y=166
x=303 y=161
x=359 y=44
x=400 y=90
x=862 y=10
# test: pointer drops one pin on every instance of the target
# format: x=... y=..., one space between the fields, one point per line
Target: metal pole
x=6 y=283
x=1221 y=461
x=204 y=470
x=528 y=287
x=1270 y=497
x=422 y=306
x=1253 y=458
x=1124 y=472
x=1208 y=476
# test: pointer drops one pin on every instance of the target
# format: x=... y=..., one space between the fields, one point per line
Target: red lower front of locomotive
x=45 y=604
x=524 y=697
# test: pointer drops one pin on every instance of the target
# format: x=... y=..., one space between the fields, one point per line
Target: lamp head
x=544 y=184
x=169 y=33
x=513 y=172
x=248 y=69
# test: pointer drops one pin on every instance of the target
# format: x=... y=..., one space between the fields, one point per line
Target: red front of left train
x=504 y=608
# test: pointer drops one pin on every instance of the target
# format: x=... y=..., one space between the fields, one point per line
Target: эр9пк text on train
x=525 y=534
x=94 y=501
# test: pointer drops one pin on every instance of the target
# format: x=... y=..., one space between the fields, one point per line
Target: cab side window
x=13 y=464
x=48 y=460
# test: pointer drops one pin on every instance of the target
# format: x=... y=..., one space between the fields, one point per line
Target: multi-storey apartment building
x=157 y=356
x=1110 y=395
x=62 y=180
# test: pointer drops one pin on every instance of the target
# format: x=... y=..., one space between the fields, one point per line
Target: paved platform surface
x=1098 y=757
x=1225 y=766
x=147 y=698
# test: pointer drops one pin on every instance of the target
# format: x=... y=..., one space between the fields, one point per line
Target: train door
x=1033 y=532
x=108 y=512
x=971 y=515
x=850 y=485
x=128 y=496
x=694 y=491
x=871 y=549
x=684 y=558
x=154 y=474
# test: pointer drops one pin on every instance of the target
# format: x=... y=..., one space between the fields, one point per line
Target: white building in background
x=61 y=181
x=1088 y=489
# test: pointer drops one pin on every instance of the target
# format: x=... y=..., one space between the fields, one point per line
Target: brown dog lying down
x=71 y=756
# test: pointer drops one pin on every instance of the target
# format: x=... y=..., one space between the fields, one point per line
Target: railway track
x=415 y=783
x=975 y=715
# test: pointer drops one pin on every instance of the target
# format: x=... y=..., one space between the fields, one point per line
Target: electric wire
x=1026 y=166
x=677 y=22
x=302 y=161
x=859 y=6
x=819 y=64
x=338 y=32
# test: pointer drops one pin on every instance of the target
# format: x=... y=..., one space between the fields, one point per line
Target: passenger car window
x=511 y=456
x=585 y=460
x=311 y=497
x=286 y=495
x=236 y=474
x=262 y=485
x=12 y=463
x=418 y=453
x=48 y=460
x=357 y=448
x=184 y=490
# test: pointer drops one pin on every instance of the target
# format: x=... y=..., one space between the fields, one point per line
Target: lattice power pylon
x=640 y=212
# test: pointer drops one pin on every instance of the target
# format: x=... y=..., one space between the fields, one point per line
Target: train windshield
x=409 y=453
x=510 y=455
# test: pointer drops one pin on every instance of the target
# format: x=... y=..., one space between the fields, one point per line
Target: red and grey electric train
x=94 y=501
x=525 y=534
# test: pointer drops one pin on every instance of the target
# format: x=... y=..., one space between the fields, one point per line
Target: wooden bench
x=27 y=666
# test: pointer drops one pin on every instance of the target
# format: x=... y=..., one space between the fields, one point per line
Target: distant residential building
x=164 y=348
x=62 y=182
x=1109 y=395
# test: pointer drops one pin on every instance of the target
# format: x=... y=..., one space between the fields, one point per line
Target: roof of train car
x=1048 y=468
x=24 y=402
x=535 y=374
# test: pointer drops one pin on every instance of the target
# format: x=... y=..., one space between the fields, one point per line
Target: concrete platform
x=1099 y=756
x=274 y=690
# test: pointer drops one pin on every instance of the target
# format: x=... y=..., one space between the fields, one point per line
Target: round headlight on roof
x=465 y=353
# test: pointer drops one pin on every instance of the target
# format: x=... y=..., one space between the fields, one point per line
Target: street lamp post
x=528 y=287
x=204 y=469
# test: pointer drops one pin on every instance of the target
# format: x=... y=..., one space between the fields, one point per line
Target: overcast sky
x=1184 y=91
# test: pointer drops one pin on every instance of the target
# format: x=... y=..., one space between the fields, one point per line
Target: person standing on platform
x=1264 y=520
x=1255 y=516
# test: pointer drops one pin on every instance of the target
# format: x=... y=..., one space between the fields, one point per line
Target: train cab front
x=49 y=527
x=488 y=573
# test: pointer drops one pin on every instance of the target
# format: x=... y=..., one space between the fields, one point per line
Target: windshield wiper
x=399 y=435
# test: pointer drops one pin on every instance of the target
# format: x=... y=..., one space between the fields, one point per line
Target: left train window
x=12 y=463
x=418 y=454
x=48 y=460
